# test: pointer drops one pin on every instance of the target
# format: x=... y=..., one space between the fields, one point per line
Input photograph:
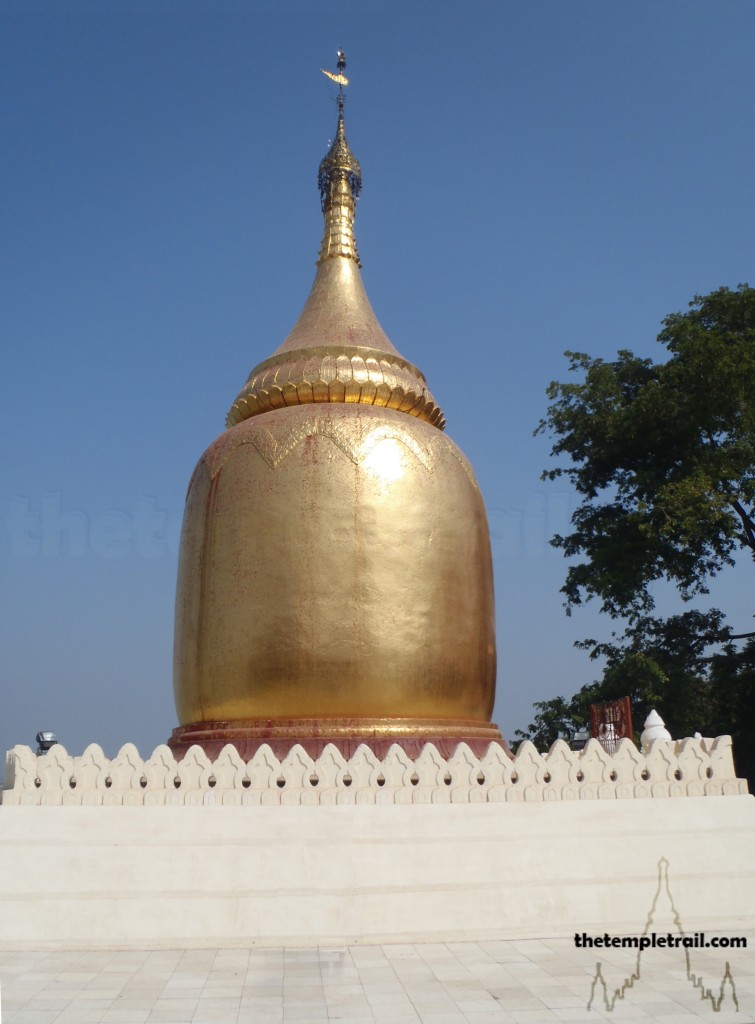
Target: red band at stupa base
x=314 y=734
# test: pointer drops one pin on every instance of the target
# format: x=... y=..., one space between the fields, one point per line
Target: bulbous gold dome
x=335 y=577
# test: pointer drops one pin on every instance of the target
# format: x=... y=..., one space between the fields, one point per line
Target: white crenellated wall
x=686 y=768
x=126 y=853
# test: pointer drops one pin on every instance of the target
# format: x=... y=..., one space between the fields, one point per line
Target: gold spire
x=340 y=182
x=337 y=351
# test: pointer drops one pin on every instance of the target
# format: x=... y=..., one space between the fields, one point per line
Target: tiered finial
x=340 y=182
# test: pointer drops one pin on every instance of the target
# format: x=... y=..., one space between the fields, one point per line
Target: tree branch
x=747 y=523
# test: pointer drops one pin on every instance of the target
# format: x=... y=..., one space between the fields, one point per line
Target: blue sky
x=538 y=176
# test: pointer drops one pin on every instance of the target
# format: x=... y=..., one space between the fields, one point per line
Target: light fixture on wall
x=45 y=740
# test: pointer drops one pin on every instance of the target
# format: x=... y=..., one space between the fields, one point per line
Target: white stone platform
x=153 y=855
x=516 y=982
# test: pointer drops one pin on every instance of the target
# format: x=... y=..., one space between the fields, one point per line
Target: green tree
x=664 y=664
x=662 y=455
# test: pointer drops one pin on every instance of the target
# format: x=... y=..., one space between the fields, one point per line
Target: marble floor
x=512 y=982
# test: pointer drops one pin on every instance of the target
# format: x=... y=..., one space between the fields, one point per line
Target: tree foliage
x=665 y=664
x=662 y=455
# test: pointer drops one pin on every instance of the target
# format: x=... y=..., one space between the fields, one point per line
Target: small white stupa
x=655 y=729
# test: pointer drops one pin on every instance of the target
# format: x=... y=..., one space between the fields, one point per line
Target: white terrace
x=133 y=853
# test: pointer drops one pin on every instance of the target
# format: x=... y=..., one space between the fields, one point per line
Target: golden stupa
x=335 y=579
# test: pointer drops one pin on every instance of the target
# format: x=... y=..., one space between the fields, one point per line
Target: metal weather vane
x=339 y=78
